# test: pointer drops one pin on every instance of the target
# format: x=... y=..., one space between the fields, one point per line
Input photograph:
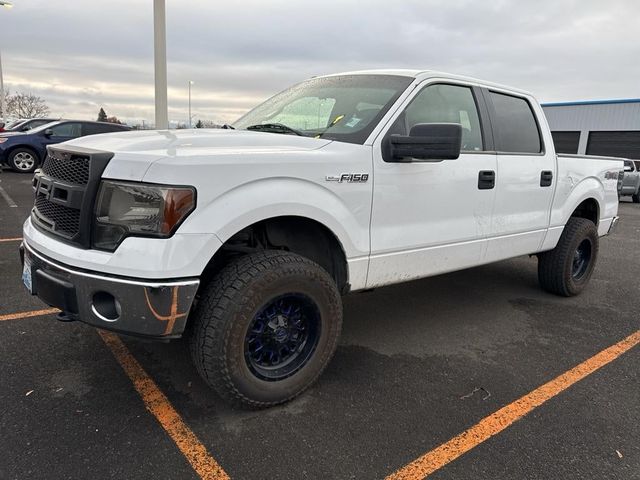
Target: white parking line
x=7 y=198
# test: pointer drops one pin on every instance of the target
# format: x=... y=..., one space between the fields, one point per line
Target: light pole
x=190 y=83
x=160 y=61
x=2 y=102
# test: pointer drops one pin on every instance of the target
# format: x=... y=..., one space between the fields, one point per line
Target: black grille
x=65 y=190
x=61 y=219
x=72 y=169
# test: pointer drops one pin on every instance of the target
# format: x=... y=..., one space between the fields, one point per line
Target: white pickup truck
x=246 y=237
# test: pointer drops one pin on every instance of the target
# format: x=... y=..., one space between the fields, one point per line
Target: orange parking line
x=32 y=313
x=3 y=240
x=506 y=416
x=158 y=404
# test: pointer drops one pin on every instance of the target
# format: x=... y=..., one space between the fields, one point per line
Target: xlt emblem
x=348 y=177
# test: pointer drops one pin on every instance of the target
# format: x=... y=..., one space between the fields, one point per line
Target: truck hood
x=134 y=152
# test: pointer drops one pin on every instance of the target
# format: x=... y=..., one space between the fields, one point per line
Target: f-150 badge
x=348 y=177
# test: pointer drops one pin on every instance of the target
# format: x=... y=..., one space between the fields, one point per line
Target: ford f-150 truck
x=245 y=238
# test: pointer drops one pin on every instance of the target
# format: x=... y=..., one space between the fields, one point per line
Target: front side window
x=514 y=126
x=36 y=123
x=344 y=107
x=442 y=103
x=66 y=130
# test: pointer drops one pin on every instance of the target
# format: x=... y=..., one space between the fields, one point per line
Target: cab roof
x=420 y=75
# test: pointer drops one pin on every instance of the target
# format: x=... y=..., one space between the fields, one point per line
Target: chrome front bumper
x=155 y=309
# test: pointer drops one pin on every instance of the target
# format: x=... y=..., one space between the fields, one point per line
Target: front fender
x=261 y=199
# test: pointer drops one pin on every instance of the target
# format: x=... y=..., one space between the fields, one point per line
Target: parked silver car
x=631 y=181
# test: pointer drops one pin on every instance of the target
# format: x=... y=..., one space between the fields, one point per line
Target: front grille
x=73 y=169
x=61 y=219
x=65 y=190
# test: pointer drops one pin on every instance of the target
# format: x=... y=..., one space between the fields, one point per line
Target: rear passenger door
x=525 y=176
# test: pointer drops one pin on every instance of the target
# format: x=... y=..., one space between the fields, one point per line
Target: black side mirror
x=48 y=132
x=431 y=142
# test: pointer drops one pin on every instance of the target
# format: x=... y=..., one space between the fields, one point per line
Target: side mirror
x=431 y=142
x=48 y=132
x=628 y=168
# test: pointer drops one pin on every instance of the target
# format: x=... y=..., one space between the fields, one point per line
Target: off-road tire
x=555 y=266
x=14 y=159
x=228 y=305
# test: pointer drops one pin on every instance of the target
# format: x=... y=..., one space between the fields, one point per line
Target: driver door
x=432 y=217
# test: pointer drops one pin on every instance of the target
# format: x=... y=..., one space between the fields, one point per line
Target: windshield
x=42 y=128
x=344 y=107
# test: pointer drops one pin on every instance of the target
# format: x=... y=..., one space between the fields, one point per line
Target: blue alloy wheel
x=282 y=336
x=581 y=259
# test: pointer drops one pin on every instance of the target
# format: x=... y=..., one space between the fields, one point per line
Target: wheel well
x=300 y=235
x=26 y=147
x=588 y=209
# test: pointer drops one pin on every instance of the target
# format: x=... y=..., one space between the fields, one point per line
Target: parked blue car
x=25 y=151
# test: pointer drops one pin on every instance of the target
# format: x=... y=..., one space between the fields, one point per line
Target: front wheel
x=566 y=269
x=266 y=327
x=23 y=160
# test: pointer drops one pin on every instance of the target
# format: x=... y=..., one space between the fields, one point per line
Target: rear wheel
x=566 y=269
x=23 y=160
x=266 y=327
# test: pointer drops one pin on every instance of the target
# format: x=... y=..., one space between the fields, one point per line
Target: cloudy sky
x=81 y=55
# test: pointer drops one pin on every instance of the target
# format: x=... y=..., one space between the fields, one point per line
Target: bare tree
x=27 y=105
x=6 y=102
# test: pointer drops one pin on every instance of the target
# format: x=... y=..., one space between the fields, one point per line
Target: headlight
x=136 y=209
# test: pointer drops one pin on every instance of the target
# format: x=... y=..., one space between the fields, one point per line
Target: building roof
x=592 y=102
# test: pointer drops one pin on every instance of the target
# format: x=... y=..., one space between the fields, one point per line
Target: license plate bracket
x=27 y=274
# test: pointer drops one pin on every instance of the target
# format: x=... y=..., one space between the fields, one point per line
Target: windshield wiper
x=275 y=128
x=226 y=126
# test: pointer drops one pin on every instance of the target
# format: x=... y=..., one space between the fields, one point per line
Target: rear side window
x=514 y=124
x=96 y=128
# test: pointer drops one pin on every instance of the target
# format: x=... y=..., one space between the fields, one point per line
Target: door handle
x=486 y=179
x=546 y=178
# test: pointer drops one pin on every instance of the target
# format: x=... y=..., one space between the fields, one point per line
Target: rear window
x=96 y=128
x=515 y=126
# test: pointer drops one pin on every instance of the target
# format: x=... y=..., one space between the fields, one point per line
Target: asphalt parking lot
x=418 y=364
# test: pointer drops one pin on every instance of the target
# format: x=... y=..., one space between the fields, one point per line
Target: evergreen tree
x=102 y=115
x=199 y=124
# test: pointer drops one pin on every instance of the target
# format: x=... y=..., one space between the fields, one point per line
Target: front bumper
x=154 y=309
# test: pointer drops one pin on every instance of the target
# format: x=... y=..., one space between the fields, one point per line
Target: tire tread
x=229 y=288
